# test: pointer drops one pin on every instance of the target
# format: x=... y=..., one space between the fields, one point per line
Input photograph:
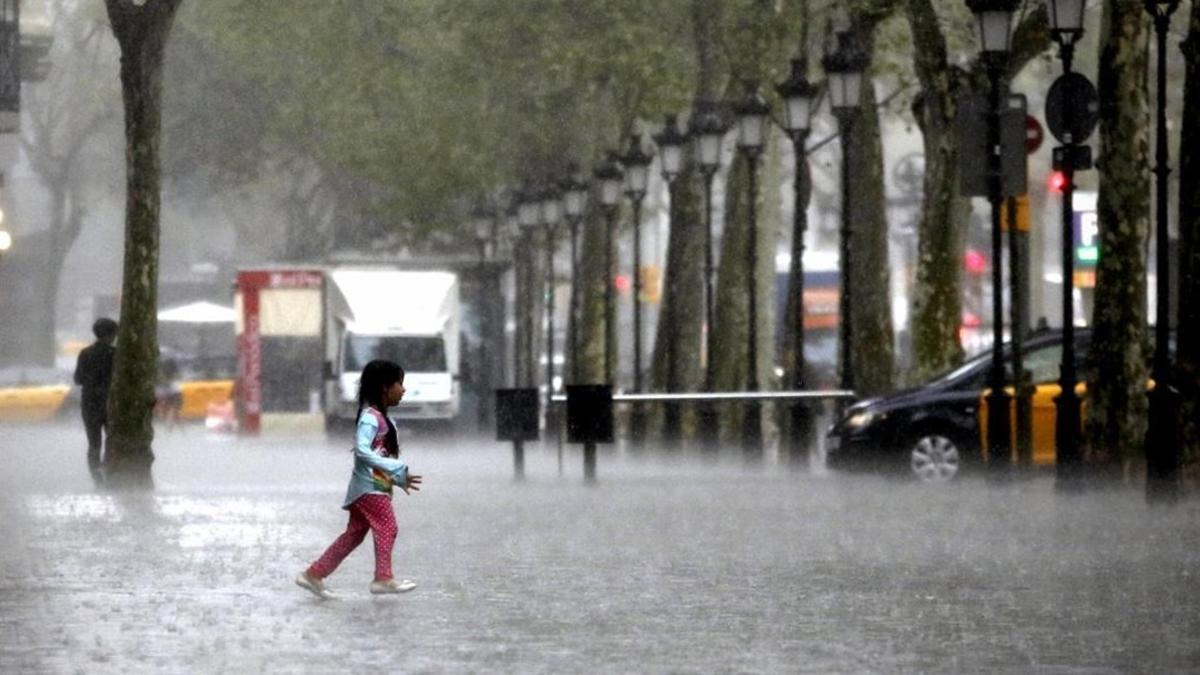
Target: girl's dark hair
x=376 y=377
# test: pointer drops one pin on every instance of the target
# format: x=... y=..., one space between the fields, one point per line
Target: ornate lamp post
x=637 y=176
x=995 y=31
x=798 y=95
x=709 y=130
x=550 y=212
x=1066 y=27
x=1163 y=450
x=528 y=217
x=574 y=191
x=752 y=113
x=845 y=67
x=609 y=177
x=670 y=143
x=483 y=225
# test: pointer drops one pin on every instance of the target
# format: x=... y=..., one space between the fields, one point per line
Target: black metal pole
x=610 y=346
x=637 y=418
x=708 y=418
x=1022 y=389
x=672 y=412
x=845 y=308
x=549 y=304
x=801 y=413
x=527 y=309
x=573 y=303
x=1068 y=459
x=752 y=419
x=519 y=459
x=1162 y=432
x=589 y=462
x=482 y=382
x=551 y=417
x=999 y=435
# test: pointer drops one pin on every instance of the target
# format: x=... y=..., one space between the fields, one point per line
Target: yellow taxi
x=1044 y=419
x=1043 y=416
x=198 y=395
x=35 y=394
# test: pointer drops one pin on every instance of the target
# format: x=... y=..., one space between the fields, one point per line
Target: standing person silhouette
x=377 y=467
x=93 y=372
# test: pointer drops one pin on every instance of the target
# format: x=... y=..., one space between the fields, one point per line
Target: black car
x=932 y=432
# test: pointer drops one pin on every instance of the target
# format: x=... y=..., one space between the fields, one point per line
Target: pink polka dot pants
x=368 y=512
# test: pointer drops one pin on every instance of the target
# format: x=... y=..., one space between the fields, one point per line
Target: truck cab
x=403 y=316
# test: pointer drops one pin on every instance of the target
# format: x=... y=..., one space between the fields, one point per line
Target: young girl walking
x=377 y=468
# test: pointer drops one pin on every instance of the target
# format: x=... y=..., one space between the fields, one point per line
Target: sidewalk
x=661 y=567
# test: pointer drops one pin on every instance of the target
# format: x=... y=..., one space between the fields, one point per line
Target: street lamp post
x=483 y=223
x=798 y=95
x=1066 y=27
x=1162 y=431
x=752 y=114
x=550 y=212
x=609 y=177
x=845 y=67
x=574 y=191
x=709 y=130
x=670 y=143
x=527 y=219
x=995 y=30
x=637 y=175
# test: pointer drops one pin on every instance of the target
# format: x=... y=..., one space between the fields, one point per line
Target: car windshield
x=414 y=354
x=972 y=364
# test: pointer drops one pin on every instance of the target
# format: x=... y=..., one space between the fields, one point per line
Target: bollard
x=589 y=462
x=518 y=459
x=589 y=421
x=517 y=421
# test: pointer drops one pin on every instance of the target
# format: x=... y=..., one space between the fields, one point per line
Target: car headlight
x=861 y=419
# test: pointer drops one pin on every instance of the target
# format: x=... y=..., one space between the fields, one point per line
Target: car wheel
x=934 y=458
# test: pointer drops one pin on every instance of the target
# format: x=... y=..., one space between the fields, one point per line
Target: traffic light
x=1056 y=181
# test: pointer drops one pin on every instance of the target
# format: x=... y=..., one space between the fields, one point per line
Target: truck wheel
x=934 y=457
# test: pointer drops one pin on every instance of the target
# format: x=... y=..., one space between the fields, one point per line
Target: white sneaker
x=392 y=586
x=313 y=585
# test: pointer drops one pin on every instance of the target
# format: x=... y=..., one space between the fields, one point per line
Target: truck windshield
x=414 y=354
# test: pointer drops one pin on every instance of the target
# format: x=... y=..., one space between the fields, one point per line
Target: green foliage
x=429 y=104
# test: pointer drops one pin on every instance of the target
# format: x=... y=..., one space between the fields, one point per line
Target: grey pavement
x=664 y=566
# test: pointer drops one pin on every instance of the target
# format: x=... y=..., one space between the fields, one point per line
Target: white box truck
x=410 y=317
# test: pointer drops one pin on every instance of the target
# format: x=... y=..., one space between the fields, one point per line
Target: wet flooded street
x=663 y=566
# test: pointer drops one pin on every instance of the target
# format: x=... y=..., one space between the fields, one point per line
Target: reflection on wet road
x=664 y=566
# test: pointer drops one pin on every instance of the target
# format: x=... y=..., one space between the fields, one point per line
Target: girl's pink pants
x=368 y=512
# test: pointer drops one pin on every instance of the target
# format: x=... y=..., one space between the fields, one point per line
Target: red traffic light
x=1056 y=181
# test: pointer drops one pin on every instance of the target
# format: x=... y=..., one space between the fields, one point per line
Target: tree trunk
x=937 y=296
x=1117 y=405
x=676 y=358
x=871 y=304
x=44 y=342
x=141 y=32
x=797 y=424
x=757 y=33
x=728 y=342
x=593 y=281
x=1187 y=323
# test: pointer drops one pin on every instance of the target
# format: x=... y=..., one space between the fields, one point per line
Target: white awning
x=198 y=312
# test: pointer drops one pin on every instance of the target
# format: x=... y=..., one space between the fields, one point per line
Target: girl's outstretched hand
x=411 y=484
